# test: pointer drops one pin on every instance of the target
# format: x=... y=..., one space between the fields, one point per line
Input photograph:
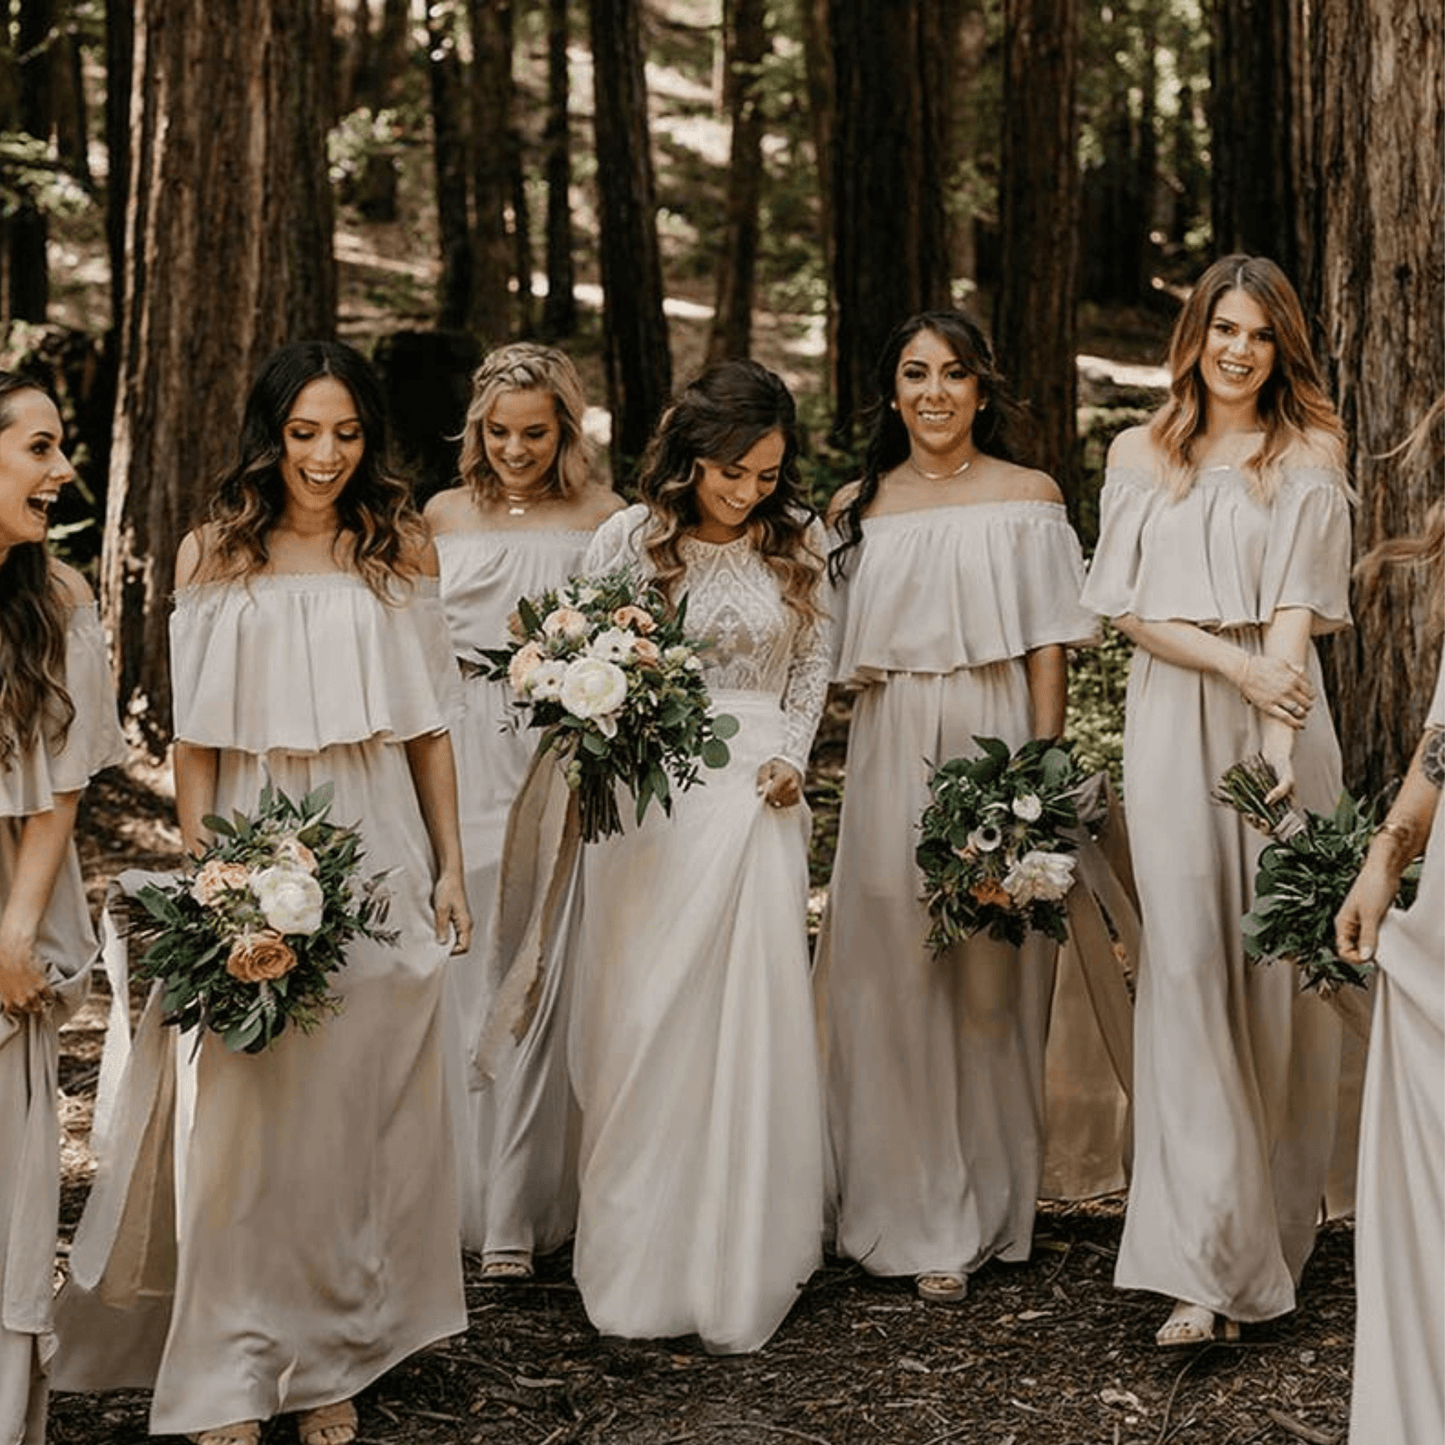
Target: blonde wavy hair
x=719 y=418
x=34 y=613
x=526 y=366
x=1296 y=412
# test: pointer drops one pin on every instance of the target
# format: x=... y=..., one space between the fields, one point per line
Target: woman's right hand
x=1278 y=689
x=23 y=989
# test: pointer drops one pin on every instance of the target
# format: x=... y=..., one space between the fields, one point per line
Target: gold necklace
x=940 y=476
x=516 y=503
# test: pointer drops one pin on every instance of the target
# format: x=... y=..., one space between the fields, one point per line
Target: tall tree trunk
x=1377 y=207
x=559 y=314
x=890 y=255
x=29 y=269
x=490 y=94
x=68 y=93
x=745 y=39
x=392 y=40
x=449 y=146
x=823 y=115
x=228 y=254
x=1035 y=325
x=1253 y=115
x=119 y=57
x=637 y=357
x=521 y=224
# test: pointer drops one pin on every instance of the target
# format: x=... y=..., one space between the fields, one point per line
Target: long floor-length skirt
x=693 y=1058
x=1237 y=1073
x=934 y=1066
x=306 y=1238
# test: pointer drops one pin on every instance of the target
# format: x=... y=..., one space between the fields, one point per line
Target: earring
x=894 y=405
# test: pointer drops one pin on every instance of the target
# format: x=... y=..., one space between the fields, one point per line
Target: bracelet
x=1401 y=832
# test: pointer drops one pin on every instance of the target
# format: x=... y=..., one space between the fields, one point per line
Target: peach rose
x=523 y=664
x=260 y=956
x=647 y=652
x=218 y=877
x=637 y=618
x=566 y=622
x=990 y=890
x=297 y=854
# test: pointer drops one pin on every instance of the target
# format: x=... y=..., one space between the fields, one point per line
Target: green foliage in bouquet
x=606 y=671
x=993 y=851
x=1303 y=876
x=244 y=945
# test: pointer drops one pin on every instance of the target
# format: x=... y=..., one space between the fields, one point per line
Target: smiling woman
x=33 y=468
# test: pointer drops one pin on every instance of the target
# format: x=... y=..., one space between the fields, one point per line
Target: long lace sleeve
x=806 y=690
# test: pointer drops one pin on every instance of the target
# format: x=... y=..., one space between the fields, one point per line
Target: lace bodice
x=757 y=643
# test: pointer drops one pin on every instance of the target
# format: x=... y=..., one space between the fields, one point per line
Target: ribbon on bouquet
x=540 y=856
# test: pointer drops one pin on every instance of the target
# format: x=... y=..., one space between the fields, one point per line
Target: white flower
x=1039 y=875
x=677 y=655
x=985 y=839
x=582 y=596
x=1028 y=807
x=291 y=900
x=545 y=682
x=614 y=645
x=594 y=688
x=565 y=622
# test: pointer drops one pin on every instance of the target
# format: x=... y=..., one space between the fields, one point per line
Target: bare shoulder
x=599 y=502
x=1025 y=484
x=1316 y=449
x=419 y=559
x=196 y=546
x=448 y=511
x=1133 y=447
x=73 y=586
x=843 y=498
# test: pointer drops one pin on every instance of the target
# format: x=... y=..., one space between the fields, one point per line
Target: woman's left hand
x=449 y=899
x=780 y=785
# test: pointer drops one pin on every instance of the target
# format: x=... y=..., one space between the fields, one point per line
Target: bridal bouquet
x=244 y=944
x=993 y=852
x=1304 y=875
x=606 y=671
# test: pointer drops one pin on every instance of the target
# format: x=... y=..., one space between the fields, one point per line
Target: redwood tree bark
x=638 y=361
x=559 y=314
x=1035 y=328
x=745 y=38
x=450 y=169
x=228 y=255
x=889 y=165
x=490 y=94
x=1377 y=291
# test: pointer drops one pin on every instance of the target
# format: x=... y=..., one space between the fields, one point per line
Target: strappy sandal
x=327 y=1424
x=1190 y=1325
x=507 y=1266
x=243 y=1432
x=941 y=1286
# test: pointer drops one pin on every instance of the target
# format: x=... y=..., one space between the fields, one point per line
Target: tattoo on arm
x=1432 y=756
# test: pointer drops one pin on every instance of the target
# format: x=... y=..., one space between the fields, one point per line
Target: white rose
x=1038 y=875
x=593 y=688
x=565 y=622
x=291 y=900
x=545 y=682
x=1028 y=807
x=614 y=645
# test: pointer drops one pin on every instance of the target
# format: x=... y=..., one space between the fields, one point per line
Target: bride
x=692 y=1045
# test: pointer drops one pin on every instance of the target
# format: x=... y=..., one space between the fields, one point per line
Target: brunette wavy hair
x=1000 y=427
x=1293 y=405
x=34 y=612
x=526 y=366
x=378 y=518
x=719 y=418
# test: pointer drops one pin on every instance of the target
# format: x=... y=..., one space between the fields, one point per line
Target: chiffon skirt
x=1237 y=1073
x=934 y=1066
x=693 y=1058
x=1399 y=1378
x=272 y=1232
x=515 y=1132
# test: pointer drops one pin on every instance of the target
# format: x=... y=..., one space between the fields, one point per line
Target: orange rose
x=989 y=890
x=646 y=651
x=637 y=618
x=217 y=877
x=260 y=955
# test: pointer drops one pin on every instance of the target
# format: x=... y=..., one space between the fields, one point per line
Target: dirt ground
x=1047 y=1353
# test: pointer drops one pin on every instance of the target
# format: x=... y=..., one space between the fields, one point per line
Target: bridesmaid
x=307 y=1242
x=692 y=1052
x=959 y=577
x=1399 y=1391
x=1224 y=548
x=517 y=525
x=57 y=728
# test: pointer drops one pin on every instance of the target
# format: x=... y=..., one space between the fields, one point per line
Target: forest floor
x=1044 y=1353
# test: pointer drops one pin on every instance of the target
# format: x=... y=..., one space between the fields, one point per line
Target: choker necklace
x=940 y=476
x=516 y=503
